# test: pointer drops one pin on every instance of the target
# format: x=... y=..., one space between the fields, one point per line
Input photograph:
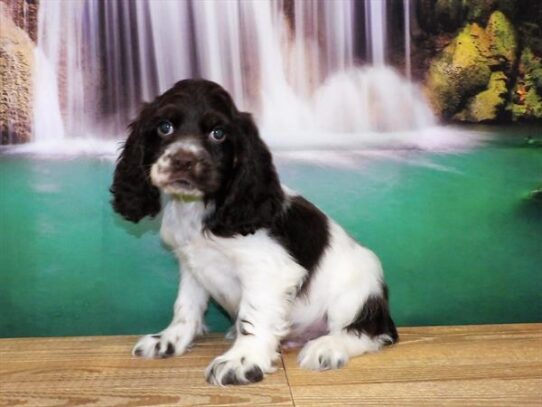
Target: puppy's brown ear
x=134 y=197
x=253 y=198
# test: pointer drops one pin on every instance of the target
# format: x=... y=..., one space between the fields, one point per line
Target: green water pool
x=458 y=238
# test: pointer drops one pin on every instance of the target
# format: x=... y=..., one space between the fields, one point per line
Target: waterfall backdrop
x=413 y=123
x=304 y=68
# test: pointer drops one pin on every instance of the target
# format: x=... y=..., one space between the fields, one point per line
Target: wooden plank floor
x=467 y=366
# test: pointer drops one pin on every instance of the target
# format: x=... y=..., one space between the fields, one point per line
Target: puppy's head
x=193 y=143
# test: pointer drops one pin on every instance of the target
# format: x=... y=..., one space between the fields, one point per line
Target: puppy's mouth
x=181 y=183
x=182 y=188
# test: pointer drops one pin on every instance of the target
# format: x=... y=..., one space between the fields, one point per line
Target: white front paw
x=170 y=342
x=323 y=353
x=238 y=368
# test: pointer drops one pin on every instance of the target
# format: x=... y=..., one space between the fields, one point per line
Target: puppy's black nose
x=182 y=161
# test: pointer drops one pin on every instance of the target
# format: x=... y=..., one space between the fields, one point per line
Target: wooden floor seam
x=480 y=365
x=287 y=380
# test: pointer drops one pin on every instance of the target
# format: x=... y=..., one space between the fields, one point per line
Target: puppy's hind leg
x=370 y=329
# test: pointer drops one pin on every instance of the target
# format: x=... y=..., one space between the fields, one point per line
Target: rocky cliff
x=16 y=66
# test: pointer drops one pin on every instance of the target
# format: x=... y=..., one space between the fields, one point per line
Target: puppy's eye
x=165 y=128
x=217 y=135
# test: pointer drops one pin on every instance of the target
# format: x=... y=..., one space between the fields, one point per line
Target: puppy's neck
x=186 y=198
x=194 y=208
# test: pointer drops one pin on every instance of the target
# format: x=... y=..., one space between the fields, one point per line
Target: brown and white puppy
x=282 y=269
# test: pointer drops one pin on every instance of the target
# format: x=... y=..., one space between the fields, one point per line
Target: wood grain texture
x=468 y=366
x=99 y=371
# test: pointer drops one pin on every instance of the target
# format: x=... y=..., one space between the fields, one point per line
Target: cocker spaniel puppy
x=284 y=271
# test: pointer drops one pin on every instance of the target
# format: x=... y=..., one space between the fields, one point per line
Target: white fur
x=255 y=280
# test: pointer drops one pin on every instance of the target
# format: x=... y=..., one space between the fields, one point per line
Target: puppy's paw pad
x=254 y=375
x=158 y=346
x=224 y=372
x=322 y=354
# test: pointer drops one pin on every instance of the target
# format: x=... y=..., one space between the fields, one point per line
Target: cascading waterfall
x=375 y=11
x=293 y=64
x=65 y=72
x=408 y=64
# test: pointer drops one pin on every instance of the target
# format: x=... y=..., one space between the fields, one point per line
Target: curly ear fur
x=253 y=198
x=134 y=197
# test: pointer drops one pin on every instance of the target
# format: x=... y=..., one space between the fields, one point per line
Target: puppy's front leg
x=187 y=322
x=261 y=323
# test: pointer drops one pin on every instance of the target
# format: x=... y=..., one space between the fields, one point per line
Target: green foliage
x=531 y=68
x=531 y=36
x=449 y=13
x=527 y=100
x=480 y=10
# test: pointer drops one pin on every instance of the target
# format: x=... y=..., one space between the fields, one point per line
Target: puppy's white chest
x=182 y=231
x=182 y=223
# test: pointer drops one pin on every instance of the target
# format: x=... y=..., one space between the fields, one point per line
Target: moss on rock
x=488 y=105
x=471 y=47
x=502 y=40
x=442 y=86
x=469 y=41
x=469 y=80
x=461 y=71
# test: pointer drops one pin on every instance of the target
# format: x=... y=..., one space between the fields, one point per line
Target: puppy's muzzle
x=177 y=170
